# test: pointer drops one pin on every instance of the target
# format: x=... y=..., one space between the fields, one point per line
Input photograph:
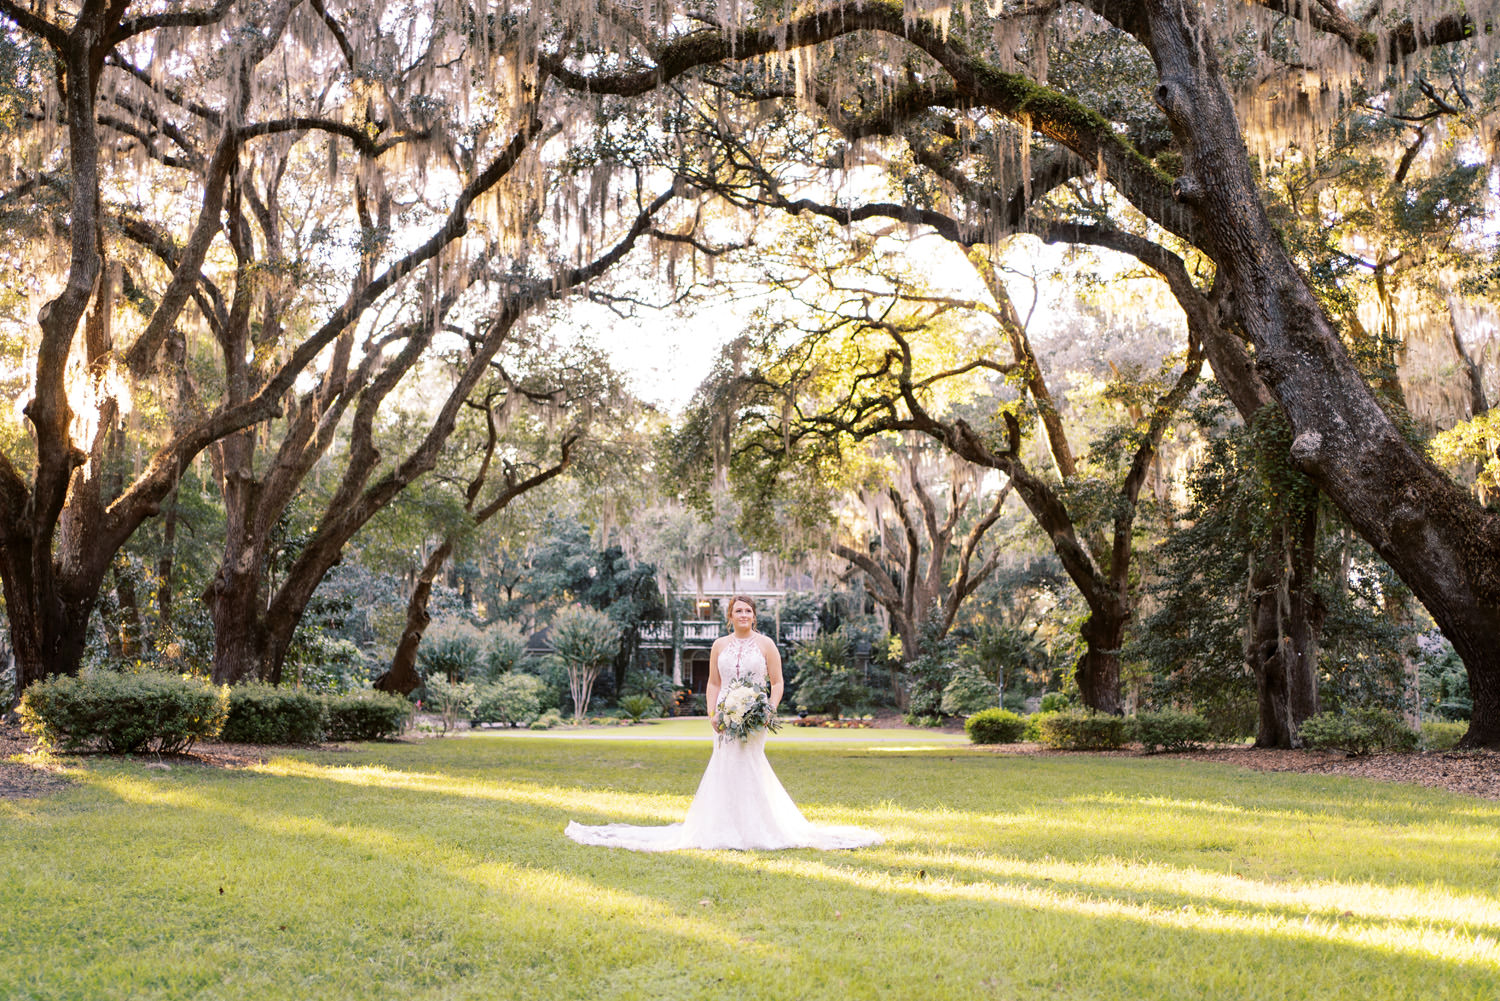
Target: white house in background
x=686 y=658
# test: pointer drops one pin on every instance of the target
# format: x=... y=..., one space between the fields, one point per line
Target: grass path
x=438 y=870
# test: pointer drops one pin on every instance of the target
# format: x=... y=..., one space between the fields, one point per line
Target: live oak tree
x=267 y=210
x=889 y=361
x=1184 y=168
x=1200 y=188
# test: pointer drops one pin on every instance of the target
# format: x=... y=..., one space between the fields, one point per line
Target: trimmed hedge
x=1079 y=730
x=122 y=713
x=264 y=714
x=1170 y=730
x=1360 y=732
x=995 y=726
x=366 y=715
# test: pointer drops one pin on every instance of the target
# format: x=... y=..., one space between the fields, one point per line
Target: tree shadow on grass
x=928 y=915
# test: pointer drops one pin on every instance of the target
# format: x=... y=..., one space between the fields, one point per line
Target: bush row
x=1361 y=731
x=265 y=714
x=124 y=713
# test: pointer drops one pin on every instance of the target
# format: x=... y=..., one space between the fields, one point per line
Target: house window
x=750 y=566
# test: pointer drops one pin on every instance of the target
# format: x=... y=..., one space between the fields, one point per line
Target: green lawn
x=439 y=870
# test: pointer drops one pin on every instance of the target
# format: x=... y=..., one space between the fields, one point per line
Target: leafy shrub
x=1444 y=681
x=1441 y=735
x=652 y=684
x=638 y=706
x=503 y=646
x=1080 y=730
x=912 y=719
x=263 y=714
x=514 y=699
x=927 y=676
x=449 y=649
x=969 y=691
x=449 y=699
x=121 y=713
x=547 y=720
x=1170 y=730
x=366 y=715
x=995 y=726
x=1053 y=701
x=1362 y=731
x=322 y=664
x=828 y=688
x=1390 y=731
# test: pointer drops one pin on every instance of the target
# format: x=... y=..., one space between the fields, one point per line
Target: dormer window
x=750 y=566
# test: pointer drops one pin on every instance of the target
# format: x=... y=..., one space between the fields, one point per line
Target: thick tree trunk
x=48 y=615
x=1098 y=669
x=239 y=635
x=1444 y=546
x=402 y=677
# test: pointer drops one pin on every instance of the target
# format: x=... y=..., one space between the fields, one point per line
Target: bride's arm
x=711 y=693
x=773 y=671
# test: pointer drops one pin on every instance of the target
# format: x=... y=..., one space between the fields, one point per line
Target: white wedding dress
x=740 y=803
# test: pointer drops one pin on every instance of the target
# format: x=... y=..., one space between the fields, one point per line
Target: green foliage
x=366 y=715
x=584 y=637
x=1444 y=681
x=1054 y=701
x=512 y=699
x=547 y=721
x=1079 y=730
x=825 y=682
x=928 y=674
x=327 y=664
x=1169 y=730
x=504 y=645
x=1439 y=735
x=1248 y=501
x=450 y=650
x=122 y=713
x=1474 y=442
x=995 y=726
x=263 y=714
x=654 y=685
x=586 y=641
x=968 y=691
x=638 y=707
x=449 y=699
x=1361 y=731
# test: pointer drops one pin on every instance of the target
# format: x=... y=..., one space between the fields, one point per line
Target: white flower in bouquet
x=743 y=709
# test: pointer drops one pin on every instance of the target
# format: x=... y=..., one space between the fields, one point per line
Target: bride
x=740 y=803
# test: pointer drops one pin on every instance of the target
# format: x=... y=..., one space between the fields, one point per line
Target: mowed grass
x=439 y=870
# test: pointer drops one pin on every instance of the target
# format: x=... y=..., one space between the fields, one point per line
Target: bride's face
x=742 y=615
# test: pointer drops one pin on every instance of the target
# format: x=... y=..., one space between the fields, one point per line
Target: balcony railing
x=702 y=632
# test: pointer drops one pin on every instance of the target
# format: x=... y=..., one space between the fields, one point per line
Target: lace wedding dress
x=740 y=803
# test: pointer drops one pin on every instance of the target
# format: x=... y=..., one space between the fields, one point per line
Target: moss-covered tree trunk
x=1444 y=546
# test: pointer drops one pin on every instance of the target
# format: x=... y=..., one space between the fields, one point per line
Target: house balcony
x=701 y=633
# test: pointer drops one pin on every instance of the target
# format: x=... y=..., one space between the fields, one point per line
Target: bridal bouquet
x=744 y=708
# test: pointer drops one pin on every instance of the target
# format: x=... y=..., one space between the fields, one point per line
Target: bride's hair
x=739 y=598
